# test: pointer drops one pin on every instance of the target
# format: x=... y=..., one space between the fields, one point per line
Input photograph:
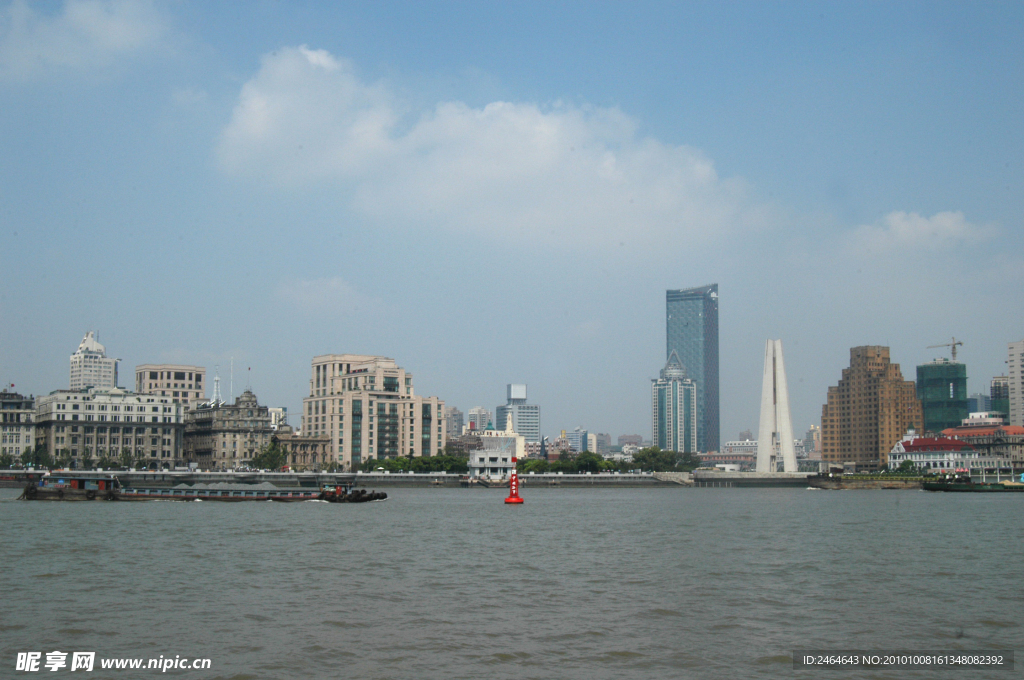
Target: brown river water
x=576 y=583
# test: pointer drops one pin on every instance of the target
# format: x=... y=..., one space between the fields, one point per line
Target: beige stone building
x=870 y=410
x=303 y=453
x=94 y=423
x=182 y=383
x=368 y=409
x=221 y=436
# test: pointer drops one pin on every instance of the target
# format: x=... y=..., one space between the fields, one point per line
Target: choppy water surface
x=451 y=583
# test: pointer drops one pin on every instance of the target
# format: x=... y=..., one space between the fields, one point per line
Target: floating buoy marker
x=513 y=486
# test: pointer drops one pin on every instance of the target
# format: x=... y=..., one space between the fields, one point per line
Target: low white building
x=95 y=423
x=500 y=449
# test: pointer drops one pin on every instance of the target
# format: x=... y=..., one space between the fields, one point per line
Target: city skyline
x=588 y=158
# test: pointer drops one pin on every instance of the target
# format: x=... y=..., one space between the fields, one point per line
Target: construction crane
x=949 y=344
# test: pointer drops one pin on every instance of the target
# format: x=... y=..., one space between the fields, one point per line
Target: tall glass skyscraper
x=691 y=320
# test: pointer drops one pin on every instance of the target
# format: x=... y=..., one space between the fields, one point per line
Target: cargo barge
x=92 y=486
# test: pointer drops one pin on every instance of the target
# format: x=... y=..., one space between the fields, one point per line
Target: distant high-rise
x=1015 y=382
x=999 y=394
x=525 y=417
x=942 y=389
x=870 y=410
x=691 y=317
x=578 y=439
x=979 y=403
x=454 y=419
x=674 y=409
x=478 y=418
x=90 y=366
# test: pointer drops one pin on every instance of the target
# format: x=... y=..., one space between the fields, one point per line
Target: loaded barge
x=107 y=486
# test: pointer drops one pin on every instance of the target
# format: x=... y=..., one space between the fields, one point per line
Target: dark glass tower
x=692 y=330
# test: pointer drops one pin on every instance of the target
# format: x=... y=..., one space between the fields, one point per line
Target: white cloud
x=902 y=231
x=330 y=295
x=86 y=34
x=560 y=174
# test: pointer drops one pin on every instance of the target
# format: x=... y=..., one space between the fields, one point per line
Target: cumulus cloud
x=85 y=34
x=560 y=173
x=902 y=230
x=330 y=295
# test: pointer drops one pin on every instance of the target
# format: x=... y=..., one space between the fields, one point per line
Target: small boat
x=965 y=484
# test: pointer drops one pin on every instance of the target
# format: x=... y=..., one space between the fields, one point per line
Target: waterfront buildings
x=1015 y=383
x=17 y=426
x=868 y=411
x=221 y=436
x=180 y=382
x=674 y=408
x=368 y=408
x=995 y=441
x=630 y=439
x=738 y=454
x=604 y=442
x=942 y=389
x=302 y=452
x=499 y=447
x=525 y=417
x=691 y=320
x=95 y=423
x=478 y=418
x=90 y=366
x=934 y=454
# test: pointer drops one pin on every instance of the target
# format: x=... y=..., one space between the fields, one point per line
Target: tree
x=907 y=467
x=272 y=457
x=139 y=458
x=653 y=458
x=37 y=457
x=6 y=460
x=87 y=459
x=64 y=458
x=106 y=462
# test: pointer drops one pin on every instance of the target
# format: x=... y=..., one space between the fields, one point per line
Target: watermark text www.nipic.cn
x=86 y=661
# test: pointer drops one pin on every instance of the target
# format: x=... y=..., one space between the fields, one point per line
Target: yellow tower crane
x=949 y=344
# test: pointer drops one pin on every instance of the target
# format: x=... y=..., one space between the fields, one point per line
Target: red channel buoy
x=513 y=487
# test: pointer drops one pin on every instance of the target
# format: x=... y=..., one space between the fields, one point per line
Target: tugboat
x=338 y=494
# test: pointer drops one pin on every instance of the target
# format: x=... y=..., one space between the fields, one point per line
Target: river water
x=576 y=583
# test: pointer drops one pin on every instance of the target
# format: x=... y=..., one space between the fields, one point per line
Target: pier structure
x=775 y=435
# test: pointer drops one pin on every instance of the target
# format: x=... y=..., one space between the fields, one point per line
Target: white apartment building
x=182 y=383
x=17 y=427
x=367 y=406
x=90 y=366
x=94 y=423
x=1016 y=382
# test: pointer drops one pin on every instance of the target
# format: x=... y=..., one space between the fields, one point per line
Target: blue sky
x=494 y=193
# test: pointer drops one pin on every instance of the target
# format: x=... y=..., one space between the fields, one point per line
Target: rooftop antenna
x=953 y=345
x=216 y=386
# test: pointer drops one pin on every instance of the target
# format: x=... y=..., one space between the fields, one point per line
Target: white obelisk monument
x=775 y=435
